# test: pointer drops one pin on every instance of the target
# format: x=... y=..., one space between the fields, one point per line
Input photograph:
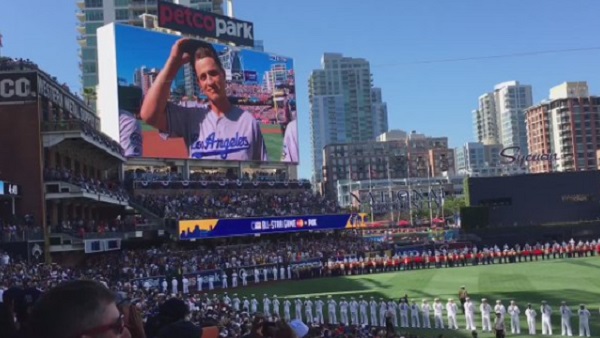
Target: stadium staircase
x=151 y=216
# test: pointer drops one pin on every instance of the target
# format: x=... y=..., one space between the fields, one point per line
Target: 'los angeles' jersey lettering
x=222 y=147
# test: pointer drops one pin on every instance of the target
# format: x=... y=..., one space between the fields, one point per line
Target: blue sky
x=396 y=36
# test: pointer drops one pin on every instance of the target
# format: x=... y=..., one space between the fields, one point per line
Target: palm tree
x=89 y=94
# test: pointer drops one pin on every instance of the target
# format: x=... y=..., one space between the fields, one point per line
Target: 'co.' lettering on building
x=205 y=24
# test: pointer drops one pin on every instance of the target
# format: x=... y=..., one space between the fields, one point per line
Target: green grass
x=575 y=281
x=147 y=127
x=274 y=143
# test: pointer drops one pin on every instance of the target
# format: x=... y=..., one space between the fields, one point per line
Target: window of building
x=92 y=41
x=88 y=53
x=89 y=67
x=121 y=3
x=93 y=3
x=90 y=28
x=121 y=14
x=94 y=15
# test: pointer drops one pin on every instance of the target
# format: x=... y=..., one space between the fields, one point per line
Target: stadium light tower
x=230 y=8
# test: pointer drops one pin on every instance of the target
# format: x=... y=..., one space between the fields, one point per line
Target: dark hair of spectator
x=283 y=330
x=70 y=308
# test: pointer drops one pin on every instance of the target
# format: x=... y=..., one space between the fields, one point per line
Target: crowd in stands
x=18 y=228
x=85 y=228
x=8 y=64
x=239 y=90
x=70 y=122
x=218 y=176
x=91 y=185
x=231 y=204
x=119 y=271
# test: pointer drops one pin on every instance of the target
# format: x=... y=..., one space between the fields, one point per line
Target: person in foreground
x=81 y=308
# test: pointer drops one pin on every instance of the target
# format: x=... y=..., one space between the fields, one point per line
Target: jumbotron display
x=183 y=98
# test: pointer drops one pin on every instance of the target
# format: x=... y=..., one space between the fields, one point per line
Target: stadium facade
x=535 y=199
x=56 y=155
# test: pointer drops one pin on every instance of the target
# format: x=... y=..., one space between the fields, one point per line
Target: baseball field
x=576 y=281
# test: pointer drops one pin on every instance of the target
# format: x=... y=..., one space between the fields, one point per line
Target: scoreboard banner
x=213 y=228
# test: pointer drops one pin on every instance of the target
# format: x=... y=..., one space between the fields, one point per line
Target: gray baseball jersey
x=130 y=134
x=235 y=136
x=290 y=142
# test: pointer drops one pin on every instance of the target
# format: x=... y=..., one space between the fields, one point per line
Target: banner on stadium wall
x=203 y=277
x=212 y=228
x=100 y=245
x=311 y=263
x=154 y=282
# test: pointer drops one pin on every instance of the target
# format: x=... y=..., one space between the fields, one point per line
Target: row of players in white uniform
x=210 y=280
x=355 y=312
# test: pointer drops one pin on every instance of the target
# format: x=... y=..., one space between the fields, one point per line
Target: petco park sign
x=205 y=24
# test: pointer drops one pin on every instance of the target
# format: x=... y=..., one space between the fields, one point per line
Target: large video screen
x=190 y=99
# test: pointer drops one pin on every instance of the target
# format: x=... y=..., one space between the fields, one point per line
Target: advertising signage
x=205 y=24
x=213 y=228
x=18 y=87
x=9 y=189
x=260 y=126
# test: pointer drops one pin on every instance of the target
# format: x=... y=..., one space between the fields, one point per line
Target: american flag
x=1 y=40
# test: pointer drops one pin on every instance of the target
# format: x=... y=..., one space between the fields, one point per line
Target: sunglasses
x=118 y=326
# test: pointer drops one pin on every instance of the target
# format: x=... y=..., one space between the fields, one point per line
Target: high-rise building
x=345 y=108
x=500 y=117
x=144 y=78
x=94 y=14
x=380 y=114
x=564 y=131
x=485 y=120
x=512 y=99
x=328 y=125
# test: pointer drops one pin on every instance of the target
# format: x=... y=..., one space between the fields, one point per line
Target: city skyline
x=414 y=66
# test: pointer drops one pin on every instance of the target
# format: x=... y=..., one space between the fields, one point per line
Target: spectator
x=75 y=309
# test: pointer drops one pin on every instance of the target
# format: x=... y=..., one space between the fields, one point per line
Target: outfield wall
x=536 y=199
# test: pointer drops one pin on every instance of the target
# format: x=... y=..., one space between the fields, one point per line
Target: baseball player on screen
x=218 y=131
x=130 y=132
x=130 y=128
x=290 y=143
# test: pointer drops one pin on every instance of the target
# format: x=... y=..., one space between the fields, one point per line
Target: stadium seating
x=225 y=195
